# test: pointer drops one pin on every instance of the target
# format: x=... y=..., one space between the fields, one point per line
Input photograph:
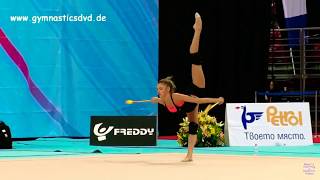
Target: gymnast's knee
x=193 y=128
x=196 y=59
x=198 y=91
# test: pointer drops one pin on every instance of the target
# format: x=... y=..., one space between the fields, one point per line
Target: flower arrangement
x=210 y=132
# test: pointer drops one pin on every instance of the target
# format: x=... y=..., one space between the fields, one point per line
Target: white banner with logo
x=268 y=124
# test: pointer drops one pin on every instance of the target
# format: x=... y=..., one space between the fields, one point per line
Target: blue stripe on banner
x=295 y=22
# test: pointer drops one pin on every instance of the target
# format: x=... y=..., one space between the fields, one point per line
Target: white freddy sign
x=268 y=124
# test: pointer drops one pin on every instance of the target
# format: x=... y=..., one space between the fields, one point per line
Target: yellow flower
x=210 y=132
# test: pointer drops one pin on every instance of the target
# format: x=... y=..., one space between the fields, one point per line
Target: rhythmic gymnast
x=189 y=104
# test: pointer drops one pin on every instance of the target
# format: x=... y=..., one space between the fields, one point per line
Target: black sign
x=123 y=131
x=5 y=136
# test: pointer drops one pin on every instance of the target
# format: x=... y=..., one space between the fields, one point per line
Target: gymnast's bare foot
x=187 y=159
x=198 y=23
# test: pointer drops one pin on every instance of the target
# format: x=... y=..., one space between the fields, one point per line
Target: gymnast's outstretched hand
x=221 y=100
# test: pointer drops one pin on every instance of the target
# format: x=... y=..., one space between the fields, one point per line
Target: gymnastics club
x=129 y=101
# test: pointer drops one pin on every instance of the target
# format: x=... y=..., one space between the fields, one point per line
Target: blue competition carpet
x=50 y=147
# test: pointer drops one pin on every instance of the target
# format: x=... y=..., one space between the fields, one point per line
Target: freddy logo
x=101 y=132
